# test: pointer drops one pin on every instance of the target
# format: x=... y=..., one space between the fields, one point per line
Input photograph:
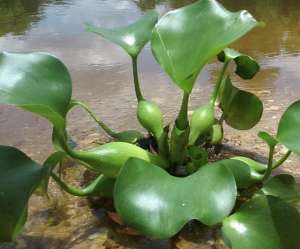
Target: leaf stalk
x=219 y=82
x=182 y=119
x=137 y=87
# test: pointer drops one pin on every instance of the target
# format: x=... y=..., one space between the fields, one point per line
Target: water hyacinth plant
x=157 y=189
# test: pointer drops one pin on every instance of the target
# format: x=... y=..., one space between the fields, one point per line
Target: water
x=101 y=72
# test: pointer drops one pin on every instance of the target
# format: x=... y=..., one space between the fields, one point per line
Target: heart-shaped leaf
x=133 y=37
x=158 y=204
x=264 y=222
x=246 y=66
x=19 y=177
x=242 y=110
x=288 y=132
x=36 y=82
x=283 y=186
x=185 y=39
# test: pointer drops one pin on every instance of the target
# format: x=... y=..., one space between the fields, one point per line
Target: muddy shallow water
x=102 y=78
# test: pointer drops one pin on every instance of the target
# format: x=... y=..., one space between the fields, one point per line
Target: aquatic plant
x=157 y=189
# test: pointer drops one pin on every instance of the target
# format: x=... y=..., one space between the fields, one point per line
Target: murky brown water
x=102 y=77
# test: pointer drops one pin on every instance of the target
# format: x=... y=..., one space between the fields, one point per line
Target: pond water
x=101 y=71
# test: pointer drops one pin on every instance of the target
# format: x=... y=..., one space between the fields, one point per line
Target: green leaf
x=264 y=222
x=133 y=37
x=36 y=82
x=288 y=132
x=283 y=186
x=19 y=177
x=254 y=165
x=246 y=66
x=242 y=110
x=184 y=40
x=158 y=204
x=244 y=175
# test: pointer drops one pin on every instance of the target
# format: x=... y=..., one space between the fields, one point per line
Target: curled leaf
x=246 y=66
x=131 y=38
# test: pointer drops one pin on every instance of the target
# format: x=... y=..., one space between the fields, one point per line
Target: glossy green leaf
x=242 y=110
x=19 y=177
x=158 y=204
x=36 y=82
x=133 y=37
x=283 y=186
x=246 y=66
x=264 y=222
x=184 y=40
x=288 y=132
x=254 y=165
x=244 y=175
x=108 y=159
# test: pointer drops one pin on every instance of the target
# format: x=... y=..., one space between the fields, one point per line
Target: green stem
x=87 y=191
x=182 y=119
x=281 y=160
x=219 y=82
x=93 y=115
x=270 y=164
x=137 y=88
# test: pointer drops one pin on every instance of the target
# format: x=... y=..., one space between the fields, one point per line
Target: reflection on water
x=17 y=16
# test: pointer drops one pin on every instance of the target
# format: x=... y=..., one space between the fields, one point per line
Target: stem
x=182 y=119
x=137 y=88
x=218 y=83
x=281 y=160
x=78 y=191
x=270 y=164
x=96 y=119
